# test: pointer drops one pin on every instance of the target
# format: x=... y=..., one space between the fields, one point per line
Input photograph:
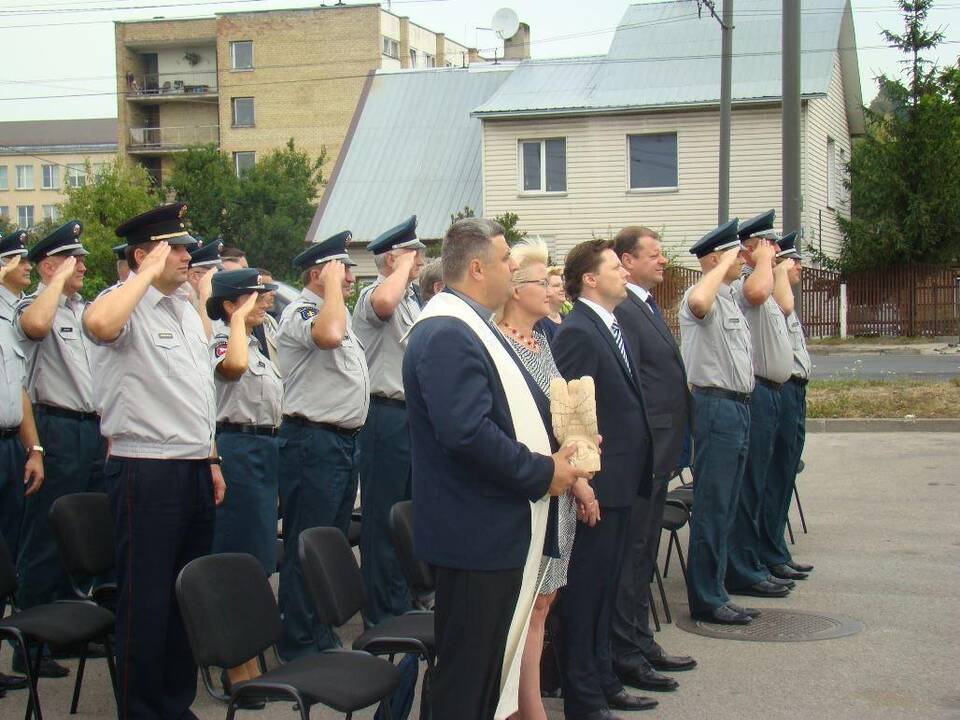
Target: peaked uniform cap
x=206 y=255
x=14 y=243
x=333 y=248
x=232 y=284
x=788 y=246
x=400 y=237
x=757 y=224
x=65 y=240
x=721 y=237
x=162 y=223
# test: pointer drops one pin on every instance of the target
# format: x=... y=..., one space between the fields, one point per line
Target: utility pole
x=792 y=198
x=726 y=102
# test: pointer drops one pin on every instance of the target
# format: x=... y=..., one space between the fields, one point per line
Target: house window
x=543 y=165
x=241 y=55
x=831 y=173
x=413 y=58
x=51 y=213
x=391 y=48
x=24 y=177
x=243 y=161
x=653 y=161
x=429 y=60
x=5 y=211
x=76 y=175
x=25 y=216
x=49 y=177
x=4 y=182
x=243 y=112
x=843 y=178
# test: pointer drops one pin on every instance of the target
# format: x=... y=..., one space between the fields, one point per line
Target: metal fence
x=669 y=293
x=911 y=300
x=820 y=302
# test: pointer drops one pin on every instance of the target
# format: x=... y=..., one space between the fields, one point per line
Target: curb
x=851 y=425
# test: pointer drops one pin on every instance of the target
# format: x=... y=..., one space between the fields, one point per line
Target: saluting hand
x=155 y=261
x=205 y=287
x=764 y=252
x=66 y=269
x=33 y=473
x=247 y=306
x=730 y=255
x=333 y=274
x=9 y=266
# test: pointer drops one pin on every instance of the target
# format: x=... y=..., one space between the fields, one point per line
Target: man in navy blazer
x=590 y=342
x=472 y=481
x=636 y=654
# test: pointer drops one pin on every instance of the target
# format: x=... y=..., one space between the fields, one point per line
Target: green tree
x=204 y=178
x=115 y=194
x=905 y=173
x=511 y=232
x=274 y=204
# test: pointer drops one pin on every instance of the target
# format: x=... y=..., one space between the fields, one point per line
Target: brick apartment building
x=249 y=81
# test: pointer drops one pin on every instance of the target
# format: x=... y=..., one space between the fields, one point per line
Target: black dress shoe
x=762 y=589
x=722 y=615
x=800 y=567
x=603 y=714
x=12 y=682
x=785 y=572
x=49 y=668
x=748 y=611
x=625 y=701
x=646 y=678
x=789 y=584
x=64 y=652
x=670 y=663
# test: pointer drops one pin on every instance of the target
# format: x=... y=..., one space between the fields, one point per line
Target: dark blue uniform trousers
x=743 y=558
x=163 y=519
x=246 y=520
x=384 y=481
x=319 y=473
x=721 y=433
x=11 y=496
x=75 y=453
x=787 y=449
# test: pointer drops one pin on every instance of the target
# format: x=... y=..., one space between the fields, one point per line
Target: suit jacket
x=664 y=379
x=472 y=480
x=584 y=346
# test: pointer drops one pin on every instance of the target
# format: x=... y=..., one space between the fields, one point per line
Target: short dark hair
x=584 y=258
x=626 y=240
x=229 y=252
x=131 y=249
x=465 y=240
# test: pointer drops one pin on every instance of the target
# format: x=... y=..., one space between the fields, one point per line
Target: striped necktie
x=615 y=329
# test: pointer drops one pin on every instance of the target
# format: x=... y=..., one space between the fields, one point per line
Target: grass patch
x=872 y=340
x=883 y=399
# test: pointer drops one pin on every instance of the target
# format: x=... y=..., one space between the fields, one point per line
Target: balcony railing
x=172 y=84
x=173 y=138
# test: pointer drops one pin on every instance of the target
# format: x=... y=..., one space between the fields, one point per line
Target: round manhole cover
x=777 y=626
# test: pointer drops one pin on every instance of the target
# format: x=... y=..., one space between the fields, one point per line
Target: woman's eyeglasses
x=542 y=283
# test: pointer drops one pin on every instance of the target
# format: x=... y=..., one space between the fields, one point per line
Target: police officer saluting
x=249 y=392
x=715 y=344
x=765 y=297
x=16 y=279
x=384 y=313
x=156 y=394
x=50 y=329
x=326 y=397
x=120 y=253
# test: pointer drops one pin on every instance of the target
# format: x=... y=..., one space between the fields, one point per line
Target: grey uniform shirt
x=331 y=386
x=801 y=358
x=8 y=302
x=58 y=365
x=153 y=385
x=384 y=341
x=716 y=348
x=255 y=397
x=12 y=373
x=772 y=351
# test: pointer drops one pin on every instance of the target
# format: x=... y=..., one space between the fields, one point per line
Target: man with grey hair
x=431 y=280
x=481 y=453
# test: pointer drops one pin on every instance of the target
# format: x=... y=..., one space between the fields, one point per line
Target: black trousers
x=631 y=639
x=163 y=518
x=586 y=609
x=473 y=612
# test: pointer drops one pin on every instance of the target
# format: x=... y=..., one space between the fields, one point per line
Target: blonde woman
x=556 y=299
x=527 y=305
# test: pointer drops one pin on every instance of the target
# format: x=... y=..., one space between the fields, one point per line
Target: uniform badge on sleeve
x=308 y=312
x=220 y=350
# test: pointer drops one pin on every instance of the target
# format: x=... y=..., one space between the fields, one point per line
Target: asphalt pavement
x=886 y=366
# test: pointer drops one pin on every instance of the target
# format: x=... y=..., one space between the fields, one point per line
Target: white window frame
x=543 y=167
x=76 y=175
x=831 y=173
x=4 y=178
x=54 y=172
x=50 y=212
x=236 y=160
x=659 y=188
x=390 y=47
x=233 y=56
x=413 y=57
x=24 y=186
x=26 y=224
x=429 y=60
x=233 y=112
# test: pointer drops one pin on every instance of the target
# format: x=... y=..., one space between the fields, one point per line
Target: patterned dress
x=543 y=369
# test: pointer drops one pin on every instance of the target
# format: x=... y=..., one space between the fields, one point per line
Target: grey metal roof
x=663 y=54
x=415 y=150
x=53 y=133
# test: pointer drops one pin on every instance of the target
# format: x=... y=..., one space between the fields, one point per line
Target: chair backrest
x=416 y=572
x=228 y=609
x=8 y=571
x=83 y=526
x=331 y=574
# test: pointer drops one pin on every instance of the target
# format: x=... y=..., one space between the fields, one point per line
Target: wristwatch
x=39 y=449
x=215 y=460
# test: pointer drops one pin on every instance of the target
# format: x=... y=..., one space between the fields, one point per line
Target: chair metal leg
x=22 y=646
x=78 y=681
x=33 y=704
x=683 y=563
x=653 y=610
x=803 y=520
x=666 y=562
x=790 y=532
x=663 y=595
x=425 y=691
x=112 y=668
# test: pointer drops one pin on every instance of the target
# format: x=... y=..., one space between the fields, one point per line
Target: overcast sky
x=66 y=50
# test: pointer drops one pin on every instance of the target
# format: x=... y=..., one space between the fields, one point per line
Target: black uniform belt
x=723 y=393
x=392 y=402
x=304 y=422
x=775 y=386
x=9 y=432
x=802 y=382
x=64 y=413
x=230 y=427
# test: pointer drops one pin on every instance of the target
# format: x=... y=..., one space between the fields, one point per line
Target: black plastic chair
x=682 y=494
x=230 y=616
x=417 y=573
x=675 y=516
x=333 y=578
x=83 y=527
x=69 y=624
x=796 y=496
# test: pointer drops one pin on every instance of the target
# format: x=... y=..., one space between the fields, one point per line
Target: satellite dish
x=505 y=23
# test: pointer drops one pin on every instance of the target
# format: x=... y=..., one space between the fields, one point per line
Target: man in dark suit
x=636 y=655
x=590 y=342
x=472 y=480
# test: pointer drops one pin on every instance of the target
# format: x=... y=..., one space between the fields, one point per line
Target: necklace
x=526 y=340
